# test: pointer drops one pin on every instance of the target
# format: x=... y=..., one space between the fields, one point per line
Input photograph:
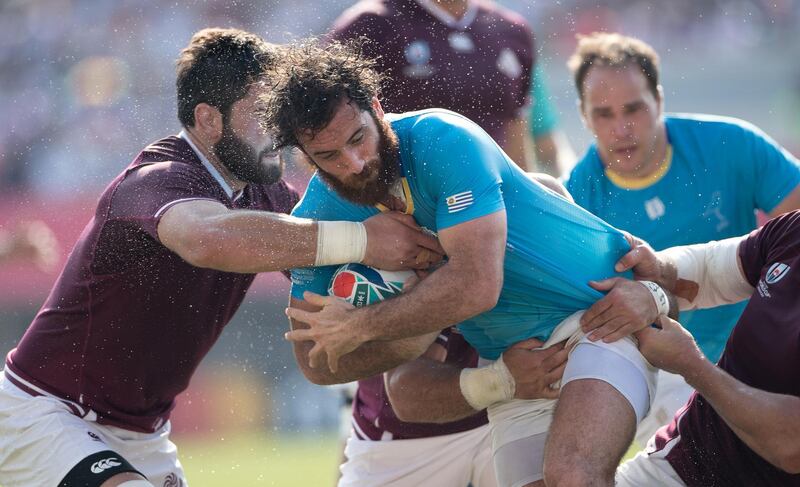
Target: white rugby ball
x=362 y=285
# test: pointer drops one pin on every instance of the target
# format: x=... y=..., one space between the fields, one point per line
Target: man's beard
x=241 y=159
x=371 y=186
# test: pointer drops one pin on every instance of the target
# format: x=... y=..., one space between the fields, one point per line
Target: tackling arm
x=207 y=234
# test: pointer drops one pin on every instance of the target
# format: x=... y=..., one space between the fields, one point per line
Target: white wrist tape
x=485 y=386
x=659 y=296
x=714 y=266
x=340 y=242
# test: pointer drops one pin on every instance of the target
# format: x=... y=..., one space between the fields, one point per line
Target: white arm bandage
x=340 y=243
x=659 y=296
x=485 y=386
x=714 y=266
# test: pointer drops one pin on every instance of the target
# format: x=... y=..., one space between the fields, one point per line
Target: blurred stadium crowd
x=84 y=84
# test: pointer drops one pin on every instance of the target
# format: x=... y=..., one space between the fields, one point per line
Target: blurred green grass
x=258 y=459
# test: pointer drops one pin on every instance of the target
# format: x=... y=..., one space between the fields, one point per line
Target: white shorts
x=443 y=461
x=672 y=394
x=648 y=469
x=522 y=425
x=41 y=440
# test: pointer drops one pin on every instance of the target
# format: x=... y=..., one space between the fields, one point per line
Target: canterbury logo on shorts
x=105 y=464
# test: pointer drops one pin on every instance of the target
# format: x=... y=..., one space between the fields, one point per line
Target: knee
x=576 y=474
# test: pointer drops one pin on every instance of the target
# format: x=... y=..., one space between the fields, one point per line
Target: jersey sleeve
x=764 y=244
x=319 y=203
x=148 y=191
x=460 y=168
x=768 y=169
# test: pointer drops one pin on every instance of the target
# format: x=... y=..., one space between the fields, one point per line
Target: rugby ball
x=362 y=285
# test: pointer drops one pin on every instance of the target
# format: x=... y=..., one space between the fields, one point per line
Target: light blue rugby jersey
x=722 y=169
x=454 y=172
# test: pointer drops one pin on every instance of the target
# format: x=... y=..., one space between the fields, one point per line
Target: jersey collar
x=209 y=167
x=626 y=182
x=444 y=16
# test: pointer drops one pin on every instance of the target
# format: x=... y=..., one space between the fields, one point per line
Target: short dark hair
x=309 y=82
x=218 y=67
x=613 y=50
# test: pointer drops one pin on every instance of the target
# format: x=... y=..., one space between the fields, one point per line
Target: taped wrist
x=485 y=386
x=340 y=242
x=659 y=296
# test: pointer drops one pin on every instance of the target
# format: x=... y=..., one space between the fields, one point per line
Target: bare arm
x=207 y=234
x=768 y=423
x=369 y=359
x=552 y=184
x=789 y=203
x=475 y=250
x=515 y=145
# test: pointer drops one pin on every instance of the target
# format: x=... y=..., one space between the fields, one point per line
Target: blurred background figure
x=30 y=241
x=471 y=57
x=551 y=148
x=84 y=82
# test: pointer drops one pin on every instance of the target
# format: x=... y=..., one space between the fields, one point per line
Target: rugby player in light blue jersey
x=672 y=180
x=519 y=262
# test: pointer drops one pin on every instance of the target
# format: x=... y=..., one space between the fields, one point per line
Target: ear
x=377 y=108
x=580 y=105
x=660 y=101
x=208 y=122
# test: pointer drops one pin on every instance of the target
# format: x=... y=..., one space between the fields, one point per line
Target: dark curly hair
x=218 y=67
x=308 y=83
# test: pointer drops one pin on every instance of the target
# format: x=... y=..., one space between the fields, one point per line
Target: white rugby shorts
x=523 y=424
x=458 y=459
x=41 y=440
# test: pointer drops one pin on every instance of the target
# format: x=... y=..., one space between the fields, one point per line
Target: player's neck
x=235 y=183
x=455 y=8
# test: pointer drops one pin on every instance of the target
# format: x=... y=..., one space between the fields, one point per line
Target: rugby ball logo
x=776 y=272
x=361 y=285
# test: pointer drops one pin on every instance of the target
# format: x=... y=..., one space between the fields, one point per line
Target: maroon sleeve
x=763 y=244
x=527 y=58
x=147 y=191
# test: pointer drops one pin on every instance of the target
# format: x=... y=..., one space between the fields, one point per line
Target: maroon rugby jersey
x=128 y=321
x=374 y=418
x=479 y=66
x=763 y=351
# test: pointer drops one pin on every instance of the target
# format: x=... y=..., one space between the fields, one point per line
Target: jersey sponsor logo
x=508 y=64
x=93 y=436
x=776 y=272
x=459 y=201
x=655 y=208
x=105 y=464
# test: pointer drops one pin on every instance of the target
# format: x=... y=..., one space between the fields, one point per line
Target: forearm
x=369 y=359
x=768 y=423
x=516 y=146
x=427 y=391
x=258 y=241
x=432 y=305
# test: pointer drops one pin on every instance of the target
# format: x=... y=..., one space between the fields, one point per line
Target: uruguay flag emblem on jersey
x=459 y=201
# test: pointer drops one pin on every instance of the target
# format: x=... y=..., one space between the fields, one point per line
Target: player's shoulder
x=363 y=14
x=430 y=121
x=589 y=166
x=706 y=124
x=168 y=158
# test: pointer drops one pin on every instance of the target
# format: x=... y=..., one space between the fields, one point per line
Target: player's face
x=244 y=148
x=625 y=118
x=356 y=153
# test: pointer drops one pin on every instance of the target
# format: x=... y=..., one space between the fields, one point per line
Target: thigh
x=153 y=454
x=442 y=461
x=41 y=441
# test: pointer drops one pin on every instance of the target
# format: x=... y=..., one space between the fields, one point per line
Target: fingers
x=531 y=343
x=315 y=299
x=299 y=315
x=605 y=284
x=592 y=318
x=333 y=361
x=629 y=260
x=403 y=218
x=550 y=392
x=304 y=335
x=608 y=328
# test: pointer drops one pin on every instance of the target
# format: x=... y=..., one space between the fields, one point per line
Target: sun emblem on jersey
x=776 y=272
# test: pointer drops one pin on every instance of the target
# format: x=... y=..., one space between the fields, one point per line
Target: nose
x=352 y=162
x=622 y=126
